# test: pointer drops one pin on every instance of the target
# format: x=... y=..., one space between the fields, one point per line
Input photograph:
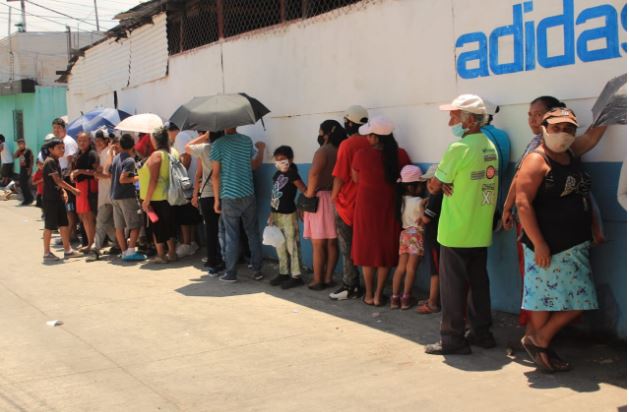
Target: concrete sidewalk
x=146 y=338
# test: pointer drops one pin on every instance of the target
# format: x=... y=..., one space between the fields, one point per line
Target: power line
x=58 y=12
x=34 y=15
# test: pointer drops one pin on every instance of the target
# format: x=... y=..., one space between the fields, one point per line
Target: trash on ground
x=54 y=323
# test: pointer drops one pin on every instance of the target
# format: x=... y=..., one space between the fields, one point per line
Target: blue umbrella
x=96 y=119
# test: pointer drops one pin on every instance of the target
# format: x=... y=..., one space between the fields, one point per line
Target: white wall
x=396 y=57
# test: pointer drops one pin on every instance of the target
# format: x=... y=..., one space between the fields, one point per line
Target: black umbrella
x=611 y=106
x=218 y=112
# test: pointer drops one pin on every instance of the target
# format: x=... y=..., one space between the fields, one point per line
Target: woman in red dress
x=376 y=224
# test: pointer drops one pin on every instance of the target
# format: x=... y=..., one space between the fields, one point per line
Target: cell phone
x=152 y=216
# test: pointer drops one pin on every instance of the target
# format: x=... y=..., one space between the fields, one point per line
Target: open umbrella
x=611 y=106
x=219 y=112
x=141 y=123
x=95 y=119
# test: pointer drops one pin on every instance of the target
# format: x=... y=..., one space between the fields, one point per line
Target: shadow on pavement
x=595 y=361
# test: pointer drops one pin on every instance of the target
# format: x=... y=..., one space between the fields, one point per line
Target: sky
x=40 y=19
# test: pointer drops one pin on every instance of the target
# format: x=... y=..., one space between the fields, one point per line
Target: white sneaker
x=182 y=250
x=193 y=248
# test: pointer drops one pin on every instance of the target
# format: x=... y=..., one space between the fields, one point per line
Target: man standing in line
x=344 y=193
x=468 y=175
x=65 y=162
x=26 y=158
x=6 y=161
x=232 y=178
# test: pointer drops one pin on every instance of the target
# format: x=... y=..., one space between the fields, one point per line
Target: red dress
x=376 y=229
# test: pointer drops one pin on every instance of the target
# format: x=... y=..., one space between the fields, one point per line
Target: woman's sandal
x=382 y=302
x=407 y=302
x=535 y=353
x=159 y=260
x=330 y=284
x=316 y=286
x=558 y=364
x=395 y=301
x=426 y=308
x=367 y=303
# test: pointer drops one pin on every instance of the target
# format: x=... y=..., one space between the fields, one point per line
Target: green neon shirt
x=471 y=166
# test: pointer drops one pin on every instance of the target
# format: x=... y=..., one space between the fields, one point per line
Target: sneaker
x=439 y=349
x=278 y=280
x=50 y=257
x=216 y=269
x=292 y=282
x=93 y=256
x=204 y=260
x=114 y=250
x=344 y=293
x=228 y=278
x=192 y=249
x=257 y=276
x=486 y=341
x=182 y=250
x=134 y=257
x=71 y=254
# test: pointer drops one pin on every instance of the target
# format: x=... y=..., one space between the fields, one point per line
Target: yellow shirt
x=161 y=189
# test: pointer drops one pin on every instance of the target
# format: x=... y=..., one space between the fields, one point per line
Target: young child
x=286 y=182
x=38 y=181
x=430 y=220
x=411 y=237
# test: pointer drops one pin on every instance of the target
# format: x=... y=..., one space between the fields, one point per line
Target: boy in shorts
x=125 y=203
x=54 y=203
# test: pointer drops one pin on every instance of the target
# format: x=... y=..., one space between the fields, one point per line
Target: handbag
x=307 y=204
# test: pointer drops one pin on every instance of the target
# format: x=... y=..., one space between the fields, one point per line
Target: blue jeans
x=233 y=210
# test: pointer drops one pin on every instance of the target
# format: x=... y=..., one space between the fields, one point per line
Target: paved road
x=145 y=339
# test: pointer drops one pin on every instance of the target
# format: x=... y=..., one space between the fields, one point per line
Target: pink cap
x=410 y=174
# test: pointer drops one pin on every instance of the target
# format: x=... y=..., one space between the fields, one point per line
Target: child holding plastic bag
x=286 y=182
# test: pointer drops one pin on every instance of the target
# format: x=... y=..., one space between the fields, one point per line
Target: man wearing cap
x=344 y=193
x=468 y=175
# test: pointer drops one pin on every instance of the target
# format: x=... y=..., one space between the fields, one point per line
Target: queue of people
x=363 y=201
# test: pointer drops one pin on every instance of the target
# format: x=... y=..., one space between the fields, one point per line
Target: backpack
x=180 y=186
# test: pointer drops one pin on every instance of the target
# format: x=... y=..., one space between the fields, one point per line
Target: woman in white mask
x=553 y=201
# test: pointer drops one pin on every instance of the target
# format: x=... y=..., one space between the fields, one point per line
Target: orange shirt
x=346 y=198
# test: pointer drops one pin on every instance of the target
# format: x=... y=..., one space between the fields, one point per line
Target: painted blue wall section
x=609 y=261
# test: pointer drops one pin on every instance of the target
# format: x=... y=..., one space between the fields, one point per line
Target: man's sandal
x=426 y=308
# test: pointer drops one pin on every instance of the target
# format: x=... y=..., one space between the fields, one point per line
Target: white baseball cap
x=356 y=114
x=49 y=137
x=470 y=103
x=380 y=125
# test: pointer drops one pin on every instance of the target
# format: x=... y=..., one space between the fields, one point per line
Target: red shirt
x=346 y=199
x=40 y=186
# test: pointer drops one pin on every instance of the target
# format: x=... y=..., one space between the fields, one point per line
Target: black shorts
x=432 y=247
x=187 y=215
x=55 y=215
x=7 y=170
x=164 y=229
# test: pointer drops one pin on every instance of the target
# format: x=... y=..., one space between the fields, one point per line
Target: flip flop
x=557 y=363
x=535 y=353
x=367 y=303
x=427 y=309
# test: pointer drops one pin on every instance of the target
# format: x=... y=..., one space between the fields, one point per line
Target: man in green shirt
x=468 y=176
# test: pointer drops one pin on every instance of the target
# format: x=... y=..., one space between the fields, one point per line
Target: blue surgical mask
x=458 y=130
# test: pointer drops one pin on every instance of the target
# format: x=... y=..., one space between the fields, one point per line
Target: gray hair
x=479 y=119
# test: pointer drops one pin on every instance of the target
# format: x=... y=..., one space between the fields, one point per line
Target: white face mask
x=282 y=165
x=558 y=142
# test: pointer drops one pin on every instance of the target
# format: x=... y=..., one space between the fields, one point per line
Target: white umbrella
x=141 y=123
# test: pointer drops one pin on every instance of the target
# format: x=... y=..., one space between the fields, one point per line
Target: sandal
x=159 y=260
x=426 y=308
x=406 y=301
x=535 y=353
x=316 y=286
x=395 y=302
x=382 y=302
x=558 y=364
x=329 y=284
x=367 y=303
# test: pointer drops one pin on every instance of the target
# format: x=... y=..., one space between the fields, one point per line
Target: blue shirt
x=234 y=152
x=501 y=141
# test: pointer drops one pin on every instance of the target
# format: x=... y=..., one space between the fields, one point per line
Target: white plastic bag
x=272 y=236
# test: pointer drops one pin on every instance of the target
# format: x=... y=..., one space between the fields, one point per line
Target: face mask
x=320 y=140
x=458 y=130
x=282 y=165
x=557 y=142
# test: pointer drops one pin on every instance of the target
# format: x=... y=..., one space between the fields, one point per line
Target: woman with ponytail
x=376 y=218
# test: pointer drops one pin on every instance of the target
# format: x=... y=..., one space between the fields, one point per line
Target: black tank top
x=562 y=206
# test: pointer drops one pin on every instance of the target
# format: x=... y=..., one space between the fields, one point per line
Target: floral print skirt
x=566 y=284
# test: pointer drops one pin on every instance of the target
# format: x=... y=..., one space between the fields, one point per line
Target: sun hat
x=410 y=174
x=560 y=115
x=430 y=173
x=470 y=103
x=380 y=125
x=356 y=114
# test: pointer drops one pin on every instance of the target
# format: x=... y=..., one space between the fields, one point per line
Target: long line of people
x=363 y=198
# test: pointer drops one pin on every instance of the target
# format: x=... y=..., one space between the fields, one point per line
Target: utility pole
x=23 y=13
x=69 y=35
x=96 y=14
x=11 y=57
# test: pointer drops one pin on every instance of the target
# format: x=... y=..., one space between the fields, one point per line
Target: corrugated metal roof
x=149 y=51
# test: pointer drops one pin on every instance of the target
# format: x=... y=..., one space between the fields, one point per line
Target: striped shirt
x=234 y=152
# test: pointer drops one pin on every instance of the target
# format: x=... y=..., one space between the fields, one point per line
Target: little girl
x=286 y=182
x=411 y=237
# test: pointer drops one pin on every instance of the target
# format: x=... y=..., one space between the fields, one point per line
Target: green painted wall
x=39 y=109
